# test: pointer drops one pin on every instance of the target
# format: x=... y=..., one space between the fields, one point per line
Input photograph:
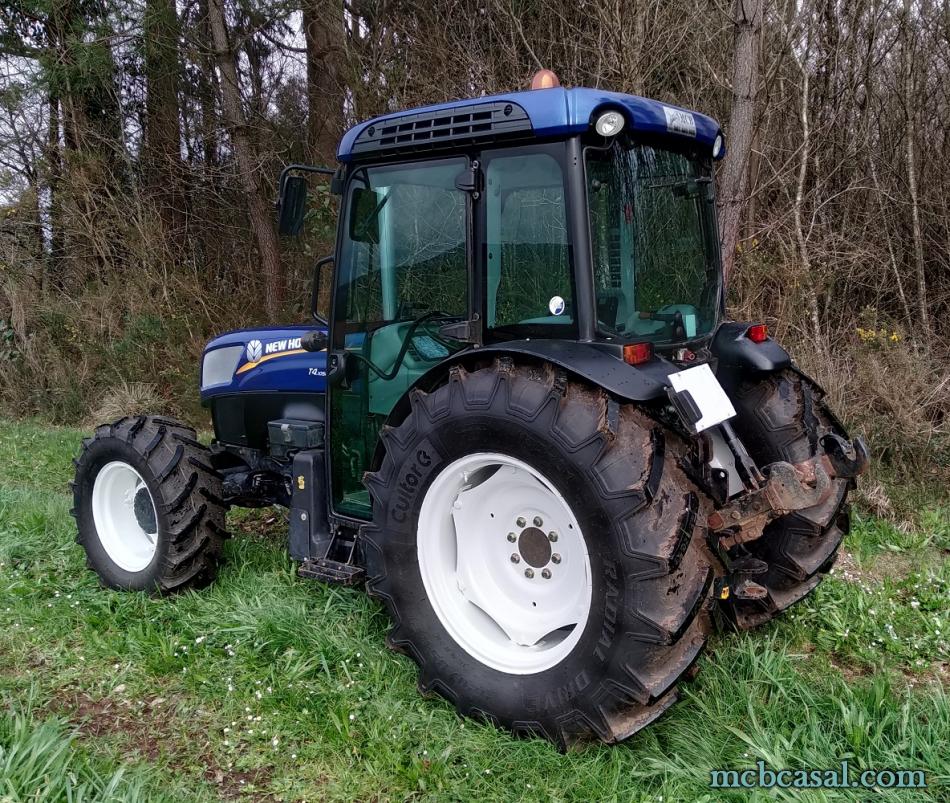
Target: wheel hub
x=144 y=510
x=124 y=514
x=534 y=547
x=488 y=527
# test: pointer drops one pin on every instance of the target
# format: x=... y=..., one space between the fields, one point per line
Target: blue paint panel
x=275 y=370
x=558 y=112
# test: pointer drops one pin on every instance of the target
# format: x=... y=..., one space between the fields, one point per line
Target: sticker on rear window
x=680 y=122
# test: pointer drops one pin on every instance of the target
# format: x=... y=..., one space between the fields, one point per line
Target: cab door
x=403 y=273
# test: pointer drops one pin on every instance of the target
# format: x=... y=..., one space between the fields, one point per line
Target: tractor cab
x=547 y=221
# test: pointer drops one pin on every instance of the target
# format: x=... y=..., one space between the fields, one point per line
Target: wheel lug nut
x=529 y=573
x=515 y=558
x=537 y=521
x=512 y=537
x=546 y=574
x=552 y=536
x=521 y=521
x=555 y=558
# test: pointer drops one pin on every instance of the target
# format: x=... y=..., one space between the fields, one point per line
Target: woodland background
x=140 y=142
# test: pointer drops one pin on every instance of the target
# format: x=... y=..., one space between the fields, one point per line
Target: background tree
x=140 y=144
x=745 y=86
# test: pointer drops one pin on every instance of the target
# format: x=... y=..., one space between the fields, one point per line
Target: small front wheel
x=148 y=506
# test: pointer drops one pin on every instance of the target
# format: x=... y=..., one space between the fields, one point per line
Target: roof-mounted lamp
x=545 y=79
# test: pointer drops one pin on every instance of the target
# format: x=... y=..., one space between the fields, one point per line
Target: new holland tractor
x=523 y=423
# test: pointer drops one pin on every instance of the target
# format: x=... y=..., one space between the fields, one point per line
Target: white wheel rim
x=475 y=575
x=122 y=524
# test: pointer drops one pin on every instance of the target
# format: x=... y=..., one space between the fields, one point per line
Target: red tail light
x=758 y=333
x=637 y=353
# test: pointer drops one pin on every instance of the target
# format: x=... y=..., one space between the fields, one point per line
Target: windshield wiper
x=674 y=320
x=680 y=182
x=684 y=188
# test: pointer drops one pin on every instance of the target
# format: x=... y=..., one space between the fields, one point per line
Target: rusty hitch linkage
x=786 y=488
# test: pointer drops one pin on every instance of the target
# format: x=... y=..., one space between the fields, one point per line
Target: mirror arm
x=324 y=171
x=315 y=289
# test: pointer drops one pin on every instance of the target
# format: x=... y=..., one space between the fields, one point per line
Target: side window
x=405 y=253
x=527 y=254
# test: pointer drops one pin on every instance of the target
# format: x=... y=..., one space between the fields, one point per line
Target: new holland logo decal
x=254 y=350
x=257 y=352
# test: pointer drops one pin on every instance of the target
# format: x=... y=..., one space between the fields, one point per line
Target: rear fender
x=597 y=364
x=737 y=355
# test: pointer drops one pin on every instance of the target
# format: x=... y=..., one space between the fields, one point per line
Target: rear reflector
x=757 y=333
x=637 y=353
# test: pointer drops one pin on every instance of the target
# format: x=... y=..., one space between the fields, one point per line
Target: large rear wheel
x=783 y=417
x=537 y=548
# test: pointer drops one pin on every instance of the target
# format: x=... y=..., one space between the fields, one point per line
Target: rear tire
x=148 y=506
x=782 y=417
x=646 y=619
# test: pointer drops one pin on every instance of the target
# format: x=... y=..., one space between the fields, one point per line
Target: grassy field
x=268 y=687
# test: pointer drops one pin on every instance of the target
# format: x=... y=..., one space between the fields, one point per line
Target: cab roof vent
x=442 y=128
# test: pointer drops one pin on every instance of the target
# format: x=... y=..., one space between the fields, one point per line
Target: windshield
x=654 y=243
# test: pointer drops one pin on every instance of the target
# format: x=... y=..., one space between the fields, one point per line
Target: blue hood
x=265 y=359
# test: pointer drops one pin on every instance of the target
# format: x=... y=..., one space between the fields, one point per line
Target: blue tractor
x=523 y=421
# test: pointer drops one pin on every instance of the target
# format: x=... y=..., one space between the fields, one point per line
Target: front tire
x=148 y=506
x=491 y=464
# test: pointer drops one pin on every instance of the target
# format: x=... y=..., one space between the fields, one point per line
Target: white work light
x=717 y=146
x=609 y=123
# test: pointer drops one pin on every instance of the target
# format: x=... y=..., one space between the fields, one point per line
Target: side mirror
x=320 y=291
x=314 y=341
x=292 y=205
x=365 y=206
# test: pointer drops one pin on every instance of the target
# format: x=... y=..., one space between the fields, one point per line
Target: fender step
x=332 y=571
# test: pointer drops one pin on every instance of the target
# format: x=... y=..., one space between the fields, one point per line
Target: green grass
x=266 y=686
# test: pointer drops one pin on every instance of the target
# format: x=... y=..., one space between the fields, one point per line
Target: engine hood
x=265 y=359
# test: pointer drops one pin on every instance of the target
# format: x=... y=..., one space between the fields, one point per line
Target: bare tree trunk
x=162 y=154
x=811 y=296
x=207 y=93
x=54 y=160
x=752 y=183
x=909 y=133
x=745 y=80
x=323 y=31
x=247 y=162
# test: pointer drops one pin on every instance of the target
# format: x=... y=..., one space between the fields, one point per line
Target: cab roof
x=529 y=114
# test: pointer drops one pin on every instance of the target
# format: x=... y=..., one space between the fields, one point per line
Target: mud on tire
x=783 y=417
x=616 y=469
x=185 y=492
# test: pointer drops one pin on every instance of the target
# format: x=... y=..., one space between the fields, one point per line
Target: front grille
x=477 y=123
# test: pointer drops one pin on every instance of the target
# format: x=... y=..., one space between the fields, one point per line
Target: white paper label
x=679 y=121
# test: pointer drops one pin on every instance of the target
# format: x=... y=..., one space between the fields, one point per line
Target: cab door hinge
x=470 y=180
